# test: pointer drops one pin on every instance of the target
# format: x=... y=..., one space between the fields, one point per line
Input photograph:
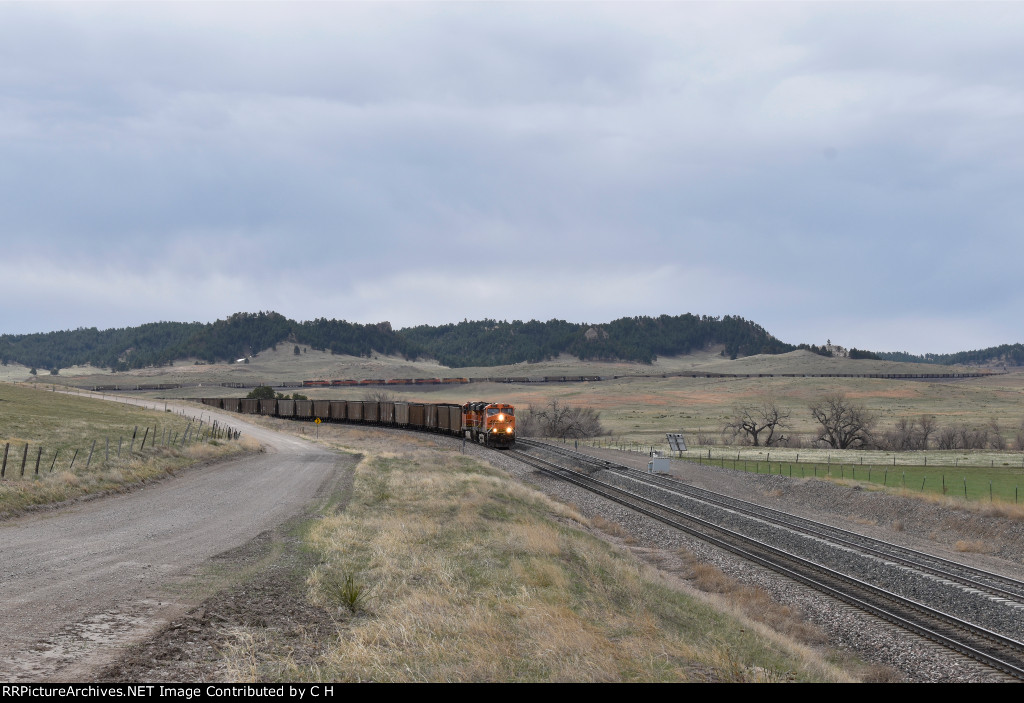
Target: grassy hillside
x=62 y=430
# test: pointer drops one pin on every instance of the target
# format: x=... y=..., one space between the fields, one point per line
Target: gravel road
x=78 y=583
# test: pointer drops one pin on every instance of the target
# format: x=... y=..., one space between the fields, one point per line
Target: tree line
x=844 y=424
x=468 y=343
x=1009 y=354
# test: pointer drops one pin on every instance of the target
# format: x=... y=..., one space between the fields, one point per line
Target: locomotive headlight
x=501 y=417
x=508 y=430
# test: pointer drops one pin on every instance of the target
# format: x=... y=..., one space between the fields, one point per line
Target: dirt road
x=78 y=583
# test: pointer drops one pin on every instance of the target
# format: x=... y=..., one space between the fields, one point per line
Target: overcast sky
x=852 y=172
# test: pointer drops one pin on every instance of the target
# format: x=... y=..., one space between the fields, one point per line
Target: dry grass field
x=641 y=406
x=61 y=431
x=282 y=364
x=442 y=568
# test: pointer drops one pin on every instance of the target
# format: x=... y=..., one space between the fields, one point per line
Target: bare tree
x=963 y=436
x=973 y=437
x=844 y=424
x=559 y=420
x=758 y=423
x=908 y=434
x=995 y=435
x=379 y=396
x=928 y=428
x=903 y=436
x=704 y=439
x=949 y=438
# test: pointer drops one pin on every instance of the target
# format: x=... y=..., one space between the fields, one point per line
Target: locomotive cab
x=493 y=424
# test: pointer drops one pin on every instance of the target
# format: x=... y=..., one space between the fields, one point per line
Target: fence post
x=54 y=460
x=131 y=448
x=3 y=469
x=143 y=445
x=72 y=465
x=119 y=440
x=39 y=455
x=91 y=449
x=108 y=449
x=24 y=457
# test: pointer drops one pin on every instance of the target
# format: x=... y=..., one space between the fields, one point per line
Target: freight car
x=491 y=424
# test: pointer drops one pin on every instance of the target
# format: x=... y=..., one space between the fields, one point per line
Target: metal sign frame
x=676 y=441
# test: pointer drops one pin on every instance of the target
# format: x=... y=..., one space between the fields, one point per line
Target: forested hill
x=1009 y=354
x=491 y=343
x=478 y=343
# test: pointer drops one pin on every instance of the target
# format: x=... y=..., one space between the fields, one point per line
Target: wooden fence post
x=143 y=445
x=39 y=455
x=3 y=469
x=24 y=457
x=54 y=460
x=75 y=456
x=90 y=454
x=132 y=447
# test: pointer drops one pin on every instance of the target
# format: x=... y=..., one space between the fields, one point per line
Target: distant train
x=382 y=382
x=534 y=380
x=491 y=424
x=319 y=383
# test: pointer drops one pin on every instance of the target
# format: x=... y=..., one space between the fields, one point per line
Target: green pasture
x=975 y=476
x=972 y=483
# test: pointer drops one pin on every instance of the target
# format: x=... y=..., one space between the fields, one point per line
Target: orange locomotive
x=492 y=423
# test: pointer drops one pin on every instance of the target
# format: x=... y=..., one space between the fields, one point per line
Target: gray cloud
x=799 y=165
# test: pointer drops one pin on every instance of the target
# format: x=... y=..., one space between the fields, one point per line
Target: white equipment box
x=658 y=466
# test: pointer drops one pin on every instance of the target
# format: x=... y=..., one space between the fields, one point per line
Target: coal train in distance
x=320 y=383
x=491 y=424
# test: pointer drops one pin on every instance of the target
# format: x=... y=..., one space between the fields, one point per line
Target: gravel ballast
x=926 y=526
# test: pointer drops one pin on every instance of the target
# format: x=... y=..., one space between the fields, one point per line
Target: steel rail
x=637 y=502
x=995 y=584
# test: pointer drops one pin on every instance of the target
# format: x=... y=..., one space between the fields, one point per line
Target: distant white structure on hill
x=836 y=350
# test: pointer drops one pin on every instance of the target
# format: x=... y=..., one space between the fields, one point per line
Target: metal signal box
x=658 y=465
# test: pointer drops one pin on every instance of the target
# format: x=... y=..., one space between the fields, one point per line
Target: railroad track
x=1002 y=588
x=982 y=644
